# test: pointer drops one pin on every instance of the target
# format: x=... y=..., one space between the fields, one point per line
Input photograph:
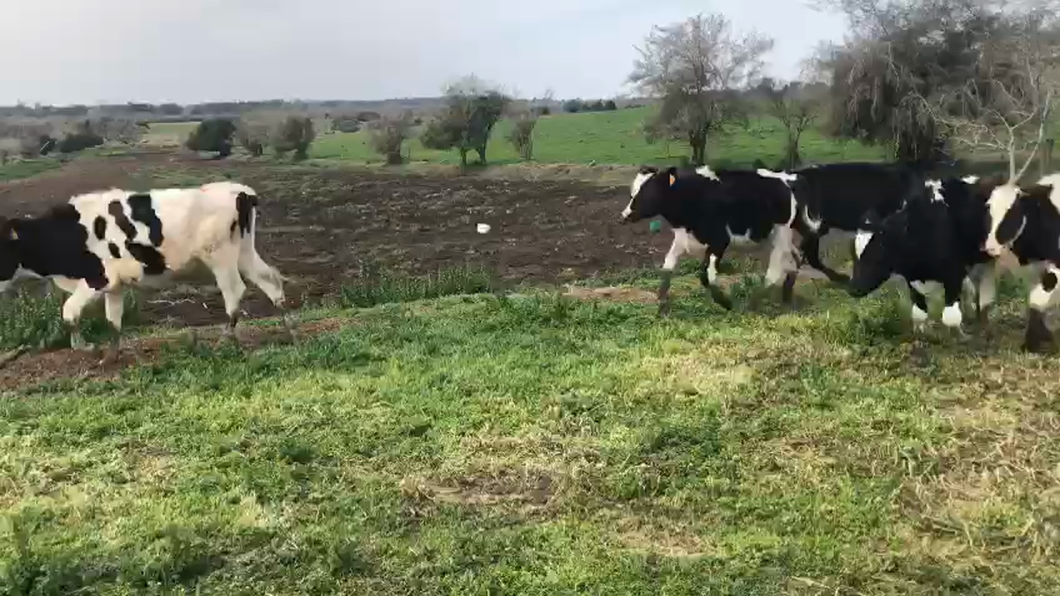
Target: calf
x=98 y=242
x=709 y=211
x=934 y=241
x=840 y=196
x=1027 y=222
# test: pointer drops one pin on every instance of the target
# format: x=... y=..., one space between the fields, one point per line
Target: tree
x=899 y=52
x=293 y=133
x=796 y=109
x=213 y=134
x=695 y=67
x=253 y=135
x=522 y=135
x=467 y=120
x=388 y=133
x=1007 y=97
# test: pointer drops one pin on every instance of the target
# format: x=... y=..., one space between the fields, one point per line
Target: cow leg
x=919 y=314
x=115 y=306
x=677 y=249
x=811 y=250
x=232 y=288
x=708 y=274
x=951 y=314
x=270 y=281
x=1038 y=338
x=783 y=263
x=984 y=279
x=75 y=304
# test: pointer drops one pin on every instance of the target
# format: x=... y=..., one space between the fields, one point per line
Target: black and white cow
x=1027 y=221
x=935 y=241
x=99 y=242
x=709 y=211
x=840 y=196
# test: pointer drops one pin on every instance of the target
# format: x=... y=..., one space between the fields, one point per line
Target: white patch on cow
x=813 y=224
x=1001 y=200
x=951 y=315
x=919 y=317
x=628 y=210
x=927 y=288
x=784 y=177
x=1040 y=298
x=1052 y=180
x=684 y=243
x=781 y=258
x=936 y=190
x=706 y=172
x=712 y=269
x=861 y=240
x=970 y=179
x=638 y=181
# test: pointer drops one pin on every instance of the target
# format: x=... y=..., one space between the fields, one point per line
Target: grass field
x=540 y=445
x=614 y=138
x=27 y=168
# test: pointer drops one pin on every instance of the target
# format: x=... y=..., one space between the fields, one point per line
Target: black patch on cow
x=1049 y=281
x=1012 y=223
x=118 y=213
x=8 y=250
x=245 y=205
x=153 y=261
x=144 y=212
x=57 y=244
x=114 y=250
x=99 y=226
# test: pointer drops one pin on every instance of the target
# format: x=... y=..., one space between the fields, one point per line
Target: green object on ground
x=655 y=226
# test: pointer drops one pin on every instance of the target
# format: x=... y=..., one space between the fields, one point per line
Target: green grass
x=31 y=317
x=536 y=445
x=27 y=168
x=614 y=138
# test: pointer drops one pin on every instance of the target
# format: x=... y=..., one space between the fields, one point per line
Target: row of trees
x=924 y=78
x=291 y=134
x=33 y=137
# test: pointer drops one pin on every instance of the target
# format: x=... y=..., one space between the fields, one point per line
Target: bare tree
x=1008 y=96
x=472 y=109
x=797 y=108
x=696 y=66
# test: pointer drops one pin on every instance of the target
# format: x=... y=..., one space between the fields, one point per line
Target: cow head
x=874 y=246
x=647 y=193
x=1006 y=216
x=9 y=261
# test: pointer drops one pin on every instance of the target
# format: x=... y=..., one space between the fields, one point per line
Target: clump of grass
x=874 y=321
x=376 y=286
x=31 y=319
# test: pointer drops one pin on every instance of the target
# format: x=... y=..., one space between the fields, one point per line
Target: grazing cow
x=840 y=196
x=99 y=242
x=1027 y=222
x=934 y=241
x=709 y=211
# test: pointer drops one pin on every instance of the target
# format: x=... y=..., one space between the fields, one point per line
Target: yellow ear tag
x=672 y=179
x=14 y=234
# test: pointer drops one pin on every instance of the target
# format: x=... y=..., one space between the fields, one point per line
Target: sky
x=113 y=51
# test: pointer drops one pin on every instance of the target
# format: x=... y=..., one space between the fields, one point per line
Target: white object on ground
x=483 y=228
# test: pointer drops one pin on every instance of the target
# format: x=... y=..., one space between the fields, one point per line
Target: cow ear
x=671 y=172
x=7 y=229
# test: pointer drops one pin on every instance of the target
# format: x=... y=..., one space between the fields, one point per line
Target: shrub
x=79 y=141
x=214 y=135
x=522 y=135
x=388 y=134
x=294 y=133
x=345 y=124
x=252 y=136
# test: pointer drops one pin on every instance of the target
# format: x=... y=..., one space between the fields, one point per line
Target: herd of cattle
x=935 y=233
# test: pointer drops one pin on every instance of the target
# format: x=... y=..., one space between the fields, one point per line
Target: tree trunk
x=481 y=154
x=463 y=158
x=698 y=141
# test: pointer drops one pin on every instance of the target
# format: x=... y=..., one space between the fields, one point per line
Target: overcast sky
x=91 y=51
